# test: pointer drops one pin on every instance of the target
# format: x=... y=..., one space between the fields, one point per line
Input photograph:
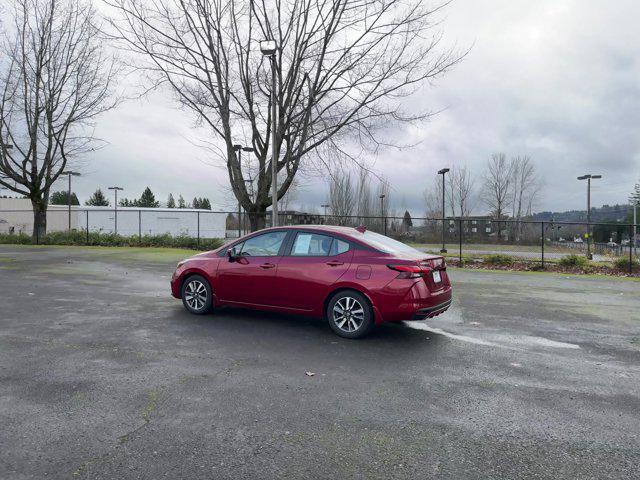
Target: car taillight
x=409 y=271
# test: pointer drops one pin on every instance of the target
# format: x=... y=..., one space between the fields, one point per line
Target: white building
x=16 y=216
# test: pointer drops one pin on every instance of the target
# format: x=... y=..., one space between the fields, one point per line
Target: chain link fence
x=466 y=239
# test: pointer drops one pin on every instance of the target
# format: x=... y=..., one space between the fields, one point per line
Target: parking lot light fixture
x=268 y=47
x=442 y=172
x=588 y=178
x=115 y=219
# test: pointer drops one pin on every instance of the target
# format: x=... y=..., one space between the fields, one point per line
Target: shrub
x=113 y=240
x=498 y=259
x=574 y=260
x=16 y=239
x=622 y=264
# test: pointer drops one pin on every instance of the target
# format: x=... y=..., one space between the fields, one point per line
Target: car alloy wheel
x=196 y=295
x=348 y=314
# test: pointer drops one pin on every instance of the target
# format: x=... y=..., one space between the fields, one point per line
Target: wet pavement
x=104 y=375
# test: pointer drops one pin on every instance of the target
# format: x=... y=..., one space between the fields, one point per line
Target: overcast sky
x=556 y=80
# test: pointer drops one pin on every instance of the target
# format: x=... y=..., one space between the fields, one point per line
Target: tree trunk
x=257 y=219
x=39 y=219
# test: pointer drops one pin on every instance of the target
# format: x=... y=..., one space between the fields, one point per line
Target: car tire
x=349 y=314
x=196 y=294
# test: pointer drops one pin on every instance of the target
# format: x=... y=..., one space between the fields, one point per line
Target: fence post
x=140 y=226
x=198 y=228
x=542 y=240
x=631 y=242
x=460 y=235
x=87 y=226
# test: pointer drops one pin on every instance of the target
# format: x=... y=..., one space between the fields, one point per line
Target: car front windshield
x=386 y=244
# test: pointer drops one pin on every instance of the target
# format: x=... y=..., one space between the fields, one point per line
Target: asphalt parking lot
x=104 y=375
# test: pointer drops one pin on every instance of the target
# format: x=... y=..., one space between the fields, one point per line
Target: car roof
x=348 y=231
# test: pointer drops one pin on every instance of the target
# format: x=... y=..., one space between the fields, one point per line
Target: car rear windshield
x=386 y=244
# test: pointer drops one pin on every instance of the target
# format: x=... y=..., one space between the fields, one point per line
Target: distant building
x=16 y=216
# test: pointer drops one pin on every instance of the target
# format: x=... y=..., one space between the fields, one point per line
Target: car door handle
x=335 y=264
x=267 y=265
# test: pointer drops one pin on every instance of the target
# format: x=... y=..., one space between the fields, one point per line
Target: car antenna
x=361 y=228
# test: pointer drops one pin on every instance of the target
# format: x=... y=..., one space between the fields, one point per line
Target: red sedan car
x=353 y=277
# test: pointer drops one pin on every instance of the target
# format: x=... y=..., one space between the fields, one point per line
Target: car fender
x=195 y=270
x=336 y=287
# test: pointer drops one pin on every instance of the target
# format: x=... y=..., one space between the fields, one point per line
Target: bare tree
x=291 y=196
x=496 y=192
x=432 y=197
x=460 y=193
x=56 y=78
x=341 y=196
x=341 y=67
x=364 y=198
x=525 y=187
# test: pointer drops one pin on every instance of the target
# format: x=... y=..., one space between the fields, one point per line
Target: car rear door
x=312 y=263
x=248 y=278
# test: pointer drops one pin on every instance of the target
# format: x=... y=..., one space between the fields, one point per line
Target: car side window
x=265 y=245
x=339 y=247
x=311 y=244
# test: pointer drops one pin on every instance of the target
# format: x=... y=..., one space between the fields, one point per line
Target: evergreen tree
x=205 y=204
x=62 y=198
x=196 y=202
x=171 y=203
x=406 y=220
x=181 y=202
x=148 y=199
x=97 y=200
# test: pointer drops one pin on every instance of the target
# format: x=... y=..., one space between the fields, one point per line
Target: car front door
x=311 y=265
x=248 y=276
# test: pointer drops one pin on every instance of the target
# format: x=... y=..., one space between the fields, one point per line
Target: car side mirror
x=230 y=255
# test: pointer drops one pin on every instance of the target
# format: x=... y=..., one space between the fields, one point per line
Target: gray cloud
x=556 y=80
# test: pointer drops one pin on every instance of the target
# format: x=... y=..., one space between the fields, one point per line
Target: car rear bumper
x=432 y=311
x=416 y=304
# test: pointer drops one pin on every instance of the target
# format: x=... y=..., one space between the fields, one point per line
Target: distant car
x=352 y=277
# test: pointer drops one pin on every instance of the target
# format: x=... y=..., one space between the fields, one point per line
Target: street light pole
x=269 y=49
x=70 y=174
x=384 y=219
x=115 y=191
x=239 y=149
x=443 y=172
x=588 y=178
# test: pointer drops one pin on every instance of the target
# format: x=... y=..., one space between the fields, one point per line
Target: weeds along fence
x=462 y=238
